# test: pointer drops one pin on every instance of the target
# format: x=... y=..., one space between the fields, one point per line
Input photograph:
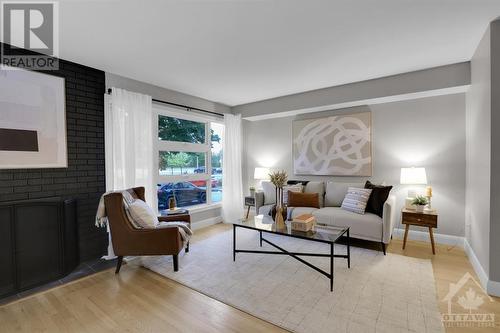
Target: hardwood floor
x=138 y=300
x=450 y=264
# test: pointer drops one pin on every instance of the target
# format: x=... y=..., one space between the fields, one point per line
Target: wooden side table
x=425 y=219
x=249 y=202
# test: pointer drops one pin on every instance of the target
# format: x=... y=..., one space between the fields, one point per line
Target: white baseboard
x=491 y=287
x=424 y=236
x=478 y=268
x=205 y=223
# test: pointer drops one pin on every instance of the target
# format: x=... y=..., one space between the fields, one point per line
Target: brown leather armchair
x=129 y=241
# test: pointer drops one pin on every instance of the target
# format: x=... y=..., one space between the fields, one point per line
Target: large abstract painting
x=336 y=146
x=32 y=120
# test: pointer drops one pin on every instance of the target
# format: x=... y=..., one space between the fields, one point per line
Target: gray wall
x=396 y=87
x=428 y=132
x=495 y=153
x=478 y=153
x=156 y=92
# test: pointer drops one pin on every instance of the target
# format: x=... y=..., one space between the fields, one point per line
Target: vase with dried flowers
x=279 y=178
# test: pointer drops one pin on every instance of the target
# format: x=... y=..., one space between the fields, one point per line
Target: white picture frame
x=338 y=145
x=32 y=120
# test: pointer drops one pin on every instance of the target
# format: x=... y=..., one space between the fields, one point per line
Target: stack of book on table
x=304 y=222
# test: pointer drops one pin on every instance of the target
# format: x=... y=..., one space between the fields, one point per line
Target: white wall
x=478 y=136
x=428 y=132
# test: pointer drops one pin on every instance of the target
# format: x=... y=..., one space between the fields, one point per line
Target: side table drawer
x=427 y=220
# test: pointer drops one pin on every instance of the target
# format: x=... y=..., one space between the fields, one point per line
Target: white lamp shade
x=261 y=173
x=413 y=176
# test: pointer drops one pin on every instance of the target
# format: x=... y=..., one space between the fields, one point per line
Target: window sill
x=204 y=207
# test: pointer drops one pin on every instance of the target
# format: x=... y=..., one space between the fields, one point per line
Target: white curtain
x=232 y=191
x=128 y=126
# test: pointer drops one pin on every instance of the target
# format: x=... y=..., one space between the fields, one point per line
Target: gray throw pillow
x=356 y=199
x=269 y=193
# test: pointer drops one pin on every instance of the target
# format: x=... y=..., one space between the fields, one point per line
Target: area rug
x=391 y=293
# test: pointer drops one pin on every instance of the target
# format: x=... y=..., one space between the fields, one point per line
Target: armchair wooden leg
x=118 y=264
x=187 y=247
x=176 y=262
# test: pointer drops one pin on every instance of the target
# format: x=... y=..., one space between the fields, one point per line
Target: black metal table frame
x=295 y=255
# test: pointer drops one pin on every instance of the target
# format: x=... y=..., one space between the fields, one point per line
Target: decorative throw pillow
x=269 y=192
x=127 y=198
x=143 y=215
x=295 y=182
x=292 y=188
x=378 y=197
x=356 y=199
x=127 y=201
x=296 y=199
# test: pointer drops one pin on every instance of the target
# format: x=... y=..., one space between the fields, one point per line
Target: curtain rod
x=188 y=108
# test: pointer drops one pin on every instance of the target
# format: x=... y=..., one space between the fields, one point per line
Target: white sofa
x=366 y=226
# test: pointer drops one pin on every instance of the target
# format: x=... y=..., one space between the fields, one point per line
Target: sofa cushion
x=296 y=211
x=378 y=197
x=367 y=226
x=316 y=187
x=264 y=210
x=335 y=192
x=356 y=199
x=293 y=188
x=303 y=199
x=269 y=192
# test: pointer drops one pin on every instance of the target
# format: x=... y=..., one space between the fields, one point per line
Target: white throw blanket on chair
x=101 y=220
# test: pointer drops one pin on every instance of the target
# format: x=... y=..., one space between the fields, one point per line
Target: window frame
x=163 y=145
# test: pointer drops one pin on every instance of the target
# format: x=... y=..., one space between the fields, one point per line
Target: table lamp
x=261 y=174
x=428 y=194
x=412 y=176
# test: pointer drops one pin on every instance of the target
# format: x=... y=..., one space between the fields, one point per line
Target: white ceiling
x=241 y=51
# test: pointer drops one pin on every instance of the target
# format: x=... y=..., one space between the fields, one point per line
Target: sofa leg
x=118 y=264
x=187 y=247
x=176 y=262
x=383 y=247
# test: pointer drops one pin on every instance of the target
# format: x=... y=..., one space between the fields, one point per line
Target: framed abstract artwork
x=32 y=120
x=333 y=146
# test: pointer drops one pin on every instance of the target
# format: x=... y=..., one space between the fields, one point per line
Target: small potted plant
x=252 y=191
x=420 y=202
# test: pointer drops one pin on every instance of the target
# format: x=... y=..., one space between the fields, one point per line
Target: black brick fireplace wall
x=83 y=179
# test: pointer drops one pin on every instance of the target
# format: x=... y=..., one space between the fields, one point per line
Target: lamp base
x=408 y=204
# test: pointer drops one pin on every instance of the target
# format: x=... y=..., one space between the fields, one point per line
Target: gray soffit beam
x=443 y=80
x=164 y=94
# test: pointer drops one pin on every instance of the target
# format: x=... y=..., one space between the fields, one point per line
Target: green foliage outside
x=180 y=130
